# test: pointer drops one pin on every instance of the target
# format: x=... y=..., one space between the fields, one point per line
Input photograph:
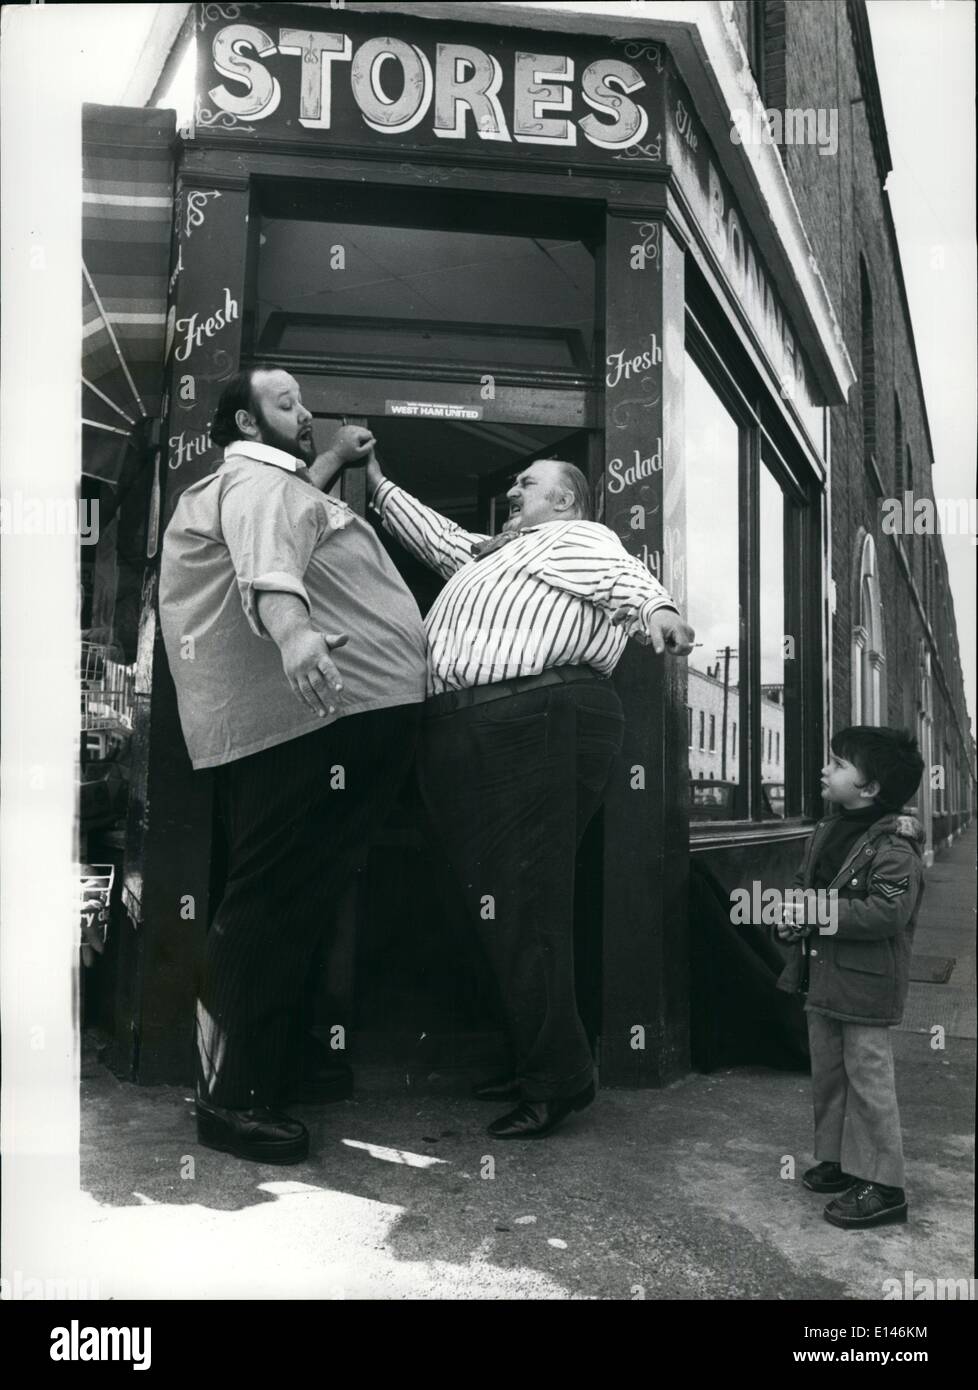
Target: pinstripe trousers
x=511 y=786
x=298 y=818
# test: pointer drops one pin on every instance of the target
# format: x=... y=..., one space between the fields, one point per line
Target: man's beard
x=302 y=446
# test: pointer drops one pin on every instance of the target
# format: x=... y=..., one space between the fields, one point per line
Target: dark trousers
x=511 y=786
x=298 y=819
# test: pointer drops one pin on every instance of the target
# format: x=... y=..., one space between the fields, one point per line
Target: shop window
x=752 y=553
x=774 y=515
x=352 y=283
x=712 y=446
x=868 y=655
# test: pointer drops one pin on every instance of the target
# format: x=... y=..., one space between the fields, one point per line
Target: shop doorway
x=403 y=969
x=464 y=328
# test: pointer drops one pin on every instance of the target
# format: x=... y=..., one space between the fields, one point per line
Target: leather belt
x=451 y=700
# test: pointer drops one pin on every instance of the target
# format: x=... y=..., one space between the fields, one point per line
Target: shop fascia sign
x=347 y=83
x=710 y=195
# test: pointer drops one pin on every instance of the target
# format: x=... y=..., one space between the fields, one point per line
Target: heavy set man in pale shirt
x=299 y=663
x=522 y=727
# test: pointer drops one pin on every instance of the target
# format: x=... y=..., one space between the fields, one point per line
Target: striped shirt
x=544 y=599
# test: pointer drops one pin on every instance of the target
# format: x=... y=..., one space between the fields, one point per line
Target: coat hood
x=906 y=826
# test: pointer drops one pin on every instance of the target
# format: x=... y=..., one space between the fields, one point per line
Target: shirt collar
x=261 y=453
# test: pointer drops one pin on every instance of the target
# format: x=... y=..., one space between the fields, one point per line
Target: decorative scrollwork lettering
x=643 y=153
x=636 y=48
x=197 y=200
x=223 y=120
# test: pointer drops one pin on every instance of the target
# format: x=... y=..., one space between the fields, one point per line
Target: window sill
x=721 y=834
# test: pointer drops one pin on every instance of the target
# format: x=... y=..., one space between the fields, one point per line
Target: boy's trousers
x=857 y=1123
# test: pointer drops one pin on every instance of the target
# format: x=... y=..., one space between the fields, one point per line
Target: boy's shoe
x=828 y=1177
x=867 y=1204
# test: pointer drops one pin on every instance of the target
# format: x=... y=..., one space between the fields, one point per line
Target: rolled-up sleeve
x=271 y=528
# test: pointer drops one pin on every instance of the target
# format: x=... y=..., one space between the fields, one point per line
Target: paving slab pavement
x=692 y=1192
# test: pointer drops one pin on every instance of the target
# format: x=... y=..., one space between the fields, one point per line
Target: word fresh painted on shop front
x=396 y=86
x=193 y=330
x=622 y=368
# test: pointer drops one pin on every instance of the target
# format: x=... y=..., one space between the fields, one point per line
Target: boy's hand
x=792 y=926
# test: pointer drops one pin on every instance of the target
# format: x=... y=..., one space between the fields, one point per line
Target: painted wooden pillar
x=645 y=991
x=168 y=855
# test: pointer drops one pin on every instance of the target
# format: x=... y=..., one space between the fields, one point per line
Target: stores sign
x=352 y=87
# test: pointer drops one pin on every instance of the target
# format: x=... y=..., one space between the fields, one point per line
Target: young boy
x=855 y=971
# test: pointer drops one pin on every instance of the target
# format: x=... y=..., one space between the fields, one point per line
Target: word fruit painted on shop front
x=397 y=85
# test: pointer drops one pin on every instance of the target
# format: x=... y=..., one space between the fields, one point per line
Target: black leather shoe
x=828 y=1177
x=867 y=1204
x=533 y=1119
x=499 y=1088
x=261 y=1134
x=321 y=1084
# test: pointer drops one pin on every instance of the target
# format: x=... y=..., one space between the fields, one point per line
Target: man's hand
x=351 y=444
x=667 y=631
x=311 y=674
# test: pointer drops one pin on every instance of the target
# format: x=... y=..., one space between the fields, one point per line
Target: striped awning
x=127 y=225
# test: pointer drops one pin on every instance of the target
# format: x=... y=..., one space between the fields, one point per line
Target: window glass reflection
x=713 y=567
x=772 y=619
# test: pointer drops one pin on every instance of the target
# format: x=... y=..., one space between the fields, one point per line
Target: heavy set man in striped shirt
x=522 y=726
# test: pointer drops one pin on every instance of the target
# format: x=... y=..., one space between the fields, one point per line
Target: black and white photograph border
x=559 y=420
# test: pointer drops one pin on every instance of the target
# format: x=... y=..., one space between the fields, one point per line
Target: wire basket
x=95 y=892
x=106 y=689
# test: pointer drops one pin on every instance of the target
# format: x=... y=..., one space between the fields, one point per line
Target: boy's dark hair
x=237 y=395
x=887 y=756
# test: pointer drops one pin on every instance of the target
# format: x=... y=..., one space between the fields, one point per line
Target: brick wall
x=840 y=199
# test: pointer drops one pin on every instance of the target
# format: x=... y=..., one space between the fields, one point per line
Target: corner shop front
x=493 y=245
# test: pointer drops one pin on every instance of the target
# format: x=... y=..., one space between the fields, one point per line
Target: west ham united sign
x=387 y=81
